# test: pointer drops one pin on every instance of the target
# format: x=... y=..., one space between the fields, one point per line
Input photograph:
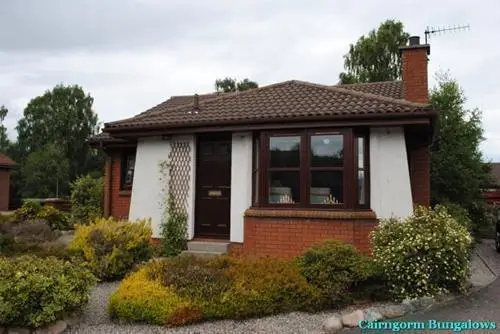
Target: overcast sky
x=132 y=54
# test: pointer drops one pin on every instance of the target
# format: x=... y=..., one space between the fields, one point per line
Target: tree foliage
x=375 y=57
x=45 y=173
x=458 y=169
x=4 y=140
x=64 y=117
x=228 y=85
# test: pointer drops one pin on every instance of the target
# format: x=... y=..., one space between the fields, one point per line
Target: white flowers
x=423 y=254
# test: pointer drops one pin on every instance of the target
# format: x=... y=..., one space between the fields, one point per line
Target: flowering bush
x=113 y=247
x=423 y=255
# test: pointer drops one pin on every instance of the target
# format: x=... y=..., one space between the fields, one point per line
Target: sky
x=130 y=55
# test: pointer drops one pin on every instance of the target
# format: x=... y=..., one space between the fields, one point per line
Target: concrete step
x=201 y=253
x=208 y=246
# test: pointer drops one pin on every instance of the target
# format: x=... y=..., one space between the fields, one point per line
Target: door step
x=210 y=247
x=200 y=254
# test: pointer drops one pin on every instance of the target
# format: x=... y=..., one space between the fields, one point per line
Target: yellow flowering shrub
x=140 y=298
x=113 y=247
x=423 y=255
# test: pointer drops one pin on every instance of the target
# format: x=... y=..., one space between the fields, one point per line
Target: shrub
x=87 y=195
x=193 y=277
x=33 y=231
x=423 y=255
x=33 y=210
x=56 y=219
x=29 y=210
x=45 y=290
x=140 y=298
x=334 y=267
x=264 y=286
x=113 y=247
x=459 y=213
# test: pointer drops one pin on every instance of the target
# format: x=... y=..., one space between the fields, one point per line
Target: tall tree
x=4 y=140
x=64 y=117
x=458 y=168
x=375 y=57
x=46 y=173
x=228 y=85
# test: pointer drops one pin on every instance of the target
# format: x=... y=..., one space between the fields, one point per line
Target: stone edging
x=335 y=323
x=57 y=327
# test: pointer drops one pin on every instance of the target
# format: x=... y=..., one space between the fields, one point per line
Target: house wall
x=390 y=187
x=119 y=200
x=148 y=199
x=241 y=183
x=288 y=234
x=4 y=189
x=147 y=187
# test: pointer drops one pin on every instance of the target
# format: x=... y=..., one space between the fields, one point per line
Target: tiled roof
x=392 y=89
x=6 y=161
x=290 y=100
x=104 y=137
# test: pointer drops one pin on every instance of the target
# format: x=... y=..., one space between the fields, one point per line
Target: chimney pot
x=196 y=101
x=414 y=40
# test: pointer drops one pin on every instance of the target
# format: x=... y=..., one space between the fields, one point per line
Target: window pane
x=361 y=151
x=327 y=150
x=284 y=151
x=284 y=187
x=129 y=171
x=326 y=188
x=361 y=187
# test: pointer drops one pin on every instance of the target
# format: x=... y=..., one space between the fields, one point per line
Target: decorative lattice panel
x=180 y=172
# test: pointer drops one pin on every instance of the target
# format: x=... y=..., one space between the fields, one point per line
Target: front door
x=213 y=186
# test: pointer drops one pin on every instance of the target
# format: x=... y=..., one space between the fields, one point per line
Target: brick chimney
x=414 y=71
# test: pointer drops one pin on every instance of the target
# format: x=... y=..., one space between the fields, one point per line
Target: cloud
x=132 y=54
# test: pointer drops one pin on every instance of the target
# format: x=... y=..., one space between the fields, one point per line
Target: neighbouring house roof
x=286 y=101
x=5 y=161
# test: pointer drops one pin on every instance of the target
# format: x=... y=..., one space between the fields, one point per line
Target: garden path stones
x=56 y=328
x=393 y=311
x=372 y=314
x=332 y=325
x=353 y=319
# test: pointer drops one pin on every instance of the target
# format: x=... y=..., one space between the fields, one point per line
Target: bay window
x=311 y=168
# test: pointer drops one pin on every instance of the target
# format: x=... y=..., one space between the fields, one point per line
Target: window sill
x=310 y=213
x=125 y=193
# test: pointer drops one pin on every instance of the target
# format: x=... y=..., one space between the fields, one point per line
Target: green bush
x=29 y=210
x=35 y=292
x=87 y=195
x=140 y=298
x=423 y=255
x=33 y=210
x=173 y=228
x=113 y=247
x=334 y=267
x=56 y=219
x=459 y=213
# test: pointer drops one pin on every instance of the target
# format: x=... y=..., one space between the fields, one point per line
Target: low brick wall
x=287 y=233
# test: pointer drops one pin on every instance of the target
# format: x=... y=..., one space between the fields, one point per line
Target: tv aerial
x=431 y=31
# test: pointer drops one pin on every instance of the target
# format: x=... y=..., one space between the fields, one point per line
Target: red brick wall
x=288 y=237
x=420 y=175
x=414 y=73
x=119 y=200
x=4 y=189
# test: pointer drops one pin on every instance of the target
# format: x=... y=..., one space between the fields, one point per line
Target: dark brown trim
x=423 y=118
x=125 y=193
x=349 y=169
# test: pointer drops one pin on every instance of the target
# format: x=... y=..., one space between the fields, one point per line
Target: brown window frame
x=125 y=158
x=349 y=169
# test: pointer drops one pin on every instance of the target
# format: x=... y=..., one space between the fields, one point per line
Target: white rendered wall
x=147 y=189
x=390 y=187
x=241 y=182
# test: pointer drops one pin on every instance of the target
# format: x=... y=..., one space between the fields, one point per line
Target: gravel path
x=96 y=320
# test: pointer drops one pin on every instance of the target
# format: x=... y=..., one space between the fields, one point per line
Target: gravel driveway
x=96 y=320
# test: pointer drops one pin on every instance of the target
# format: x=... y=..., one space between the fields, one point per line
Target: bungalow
x=271 y=170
